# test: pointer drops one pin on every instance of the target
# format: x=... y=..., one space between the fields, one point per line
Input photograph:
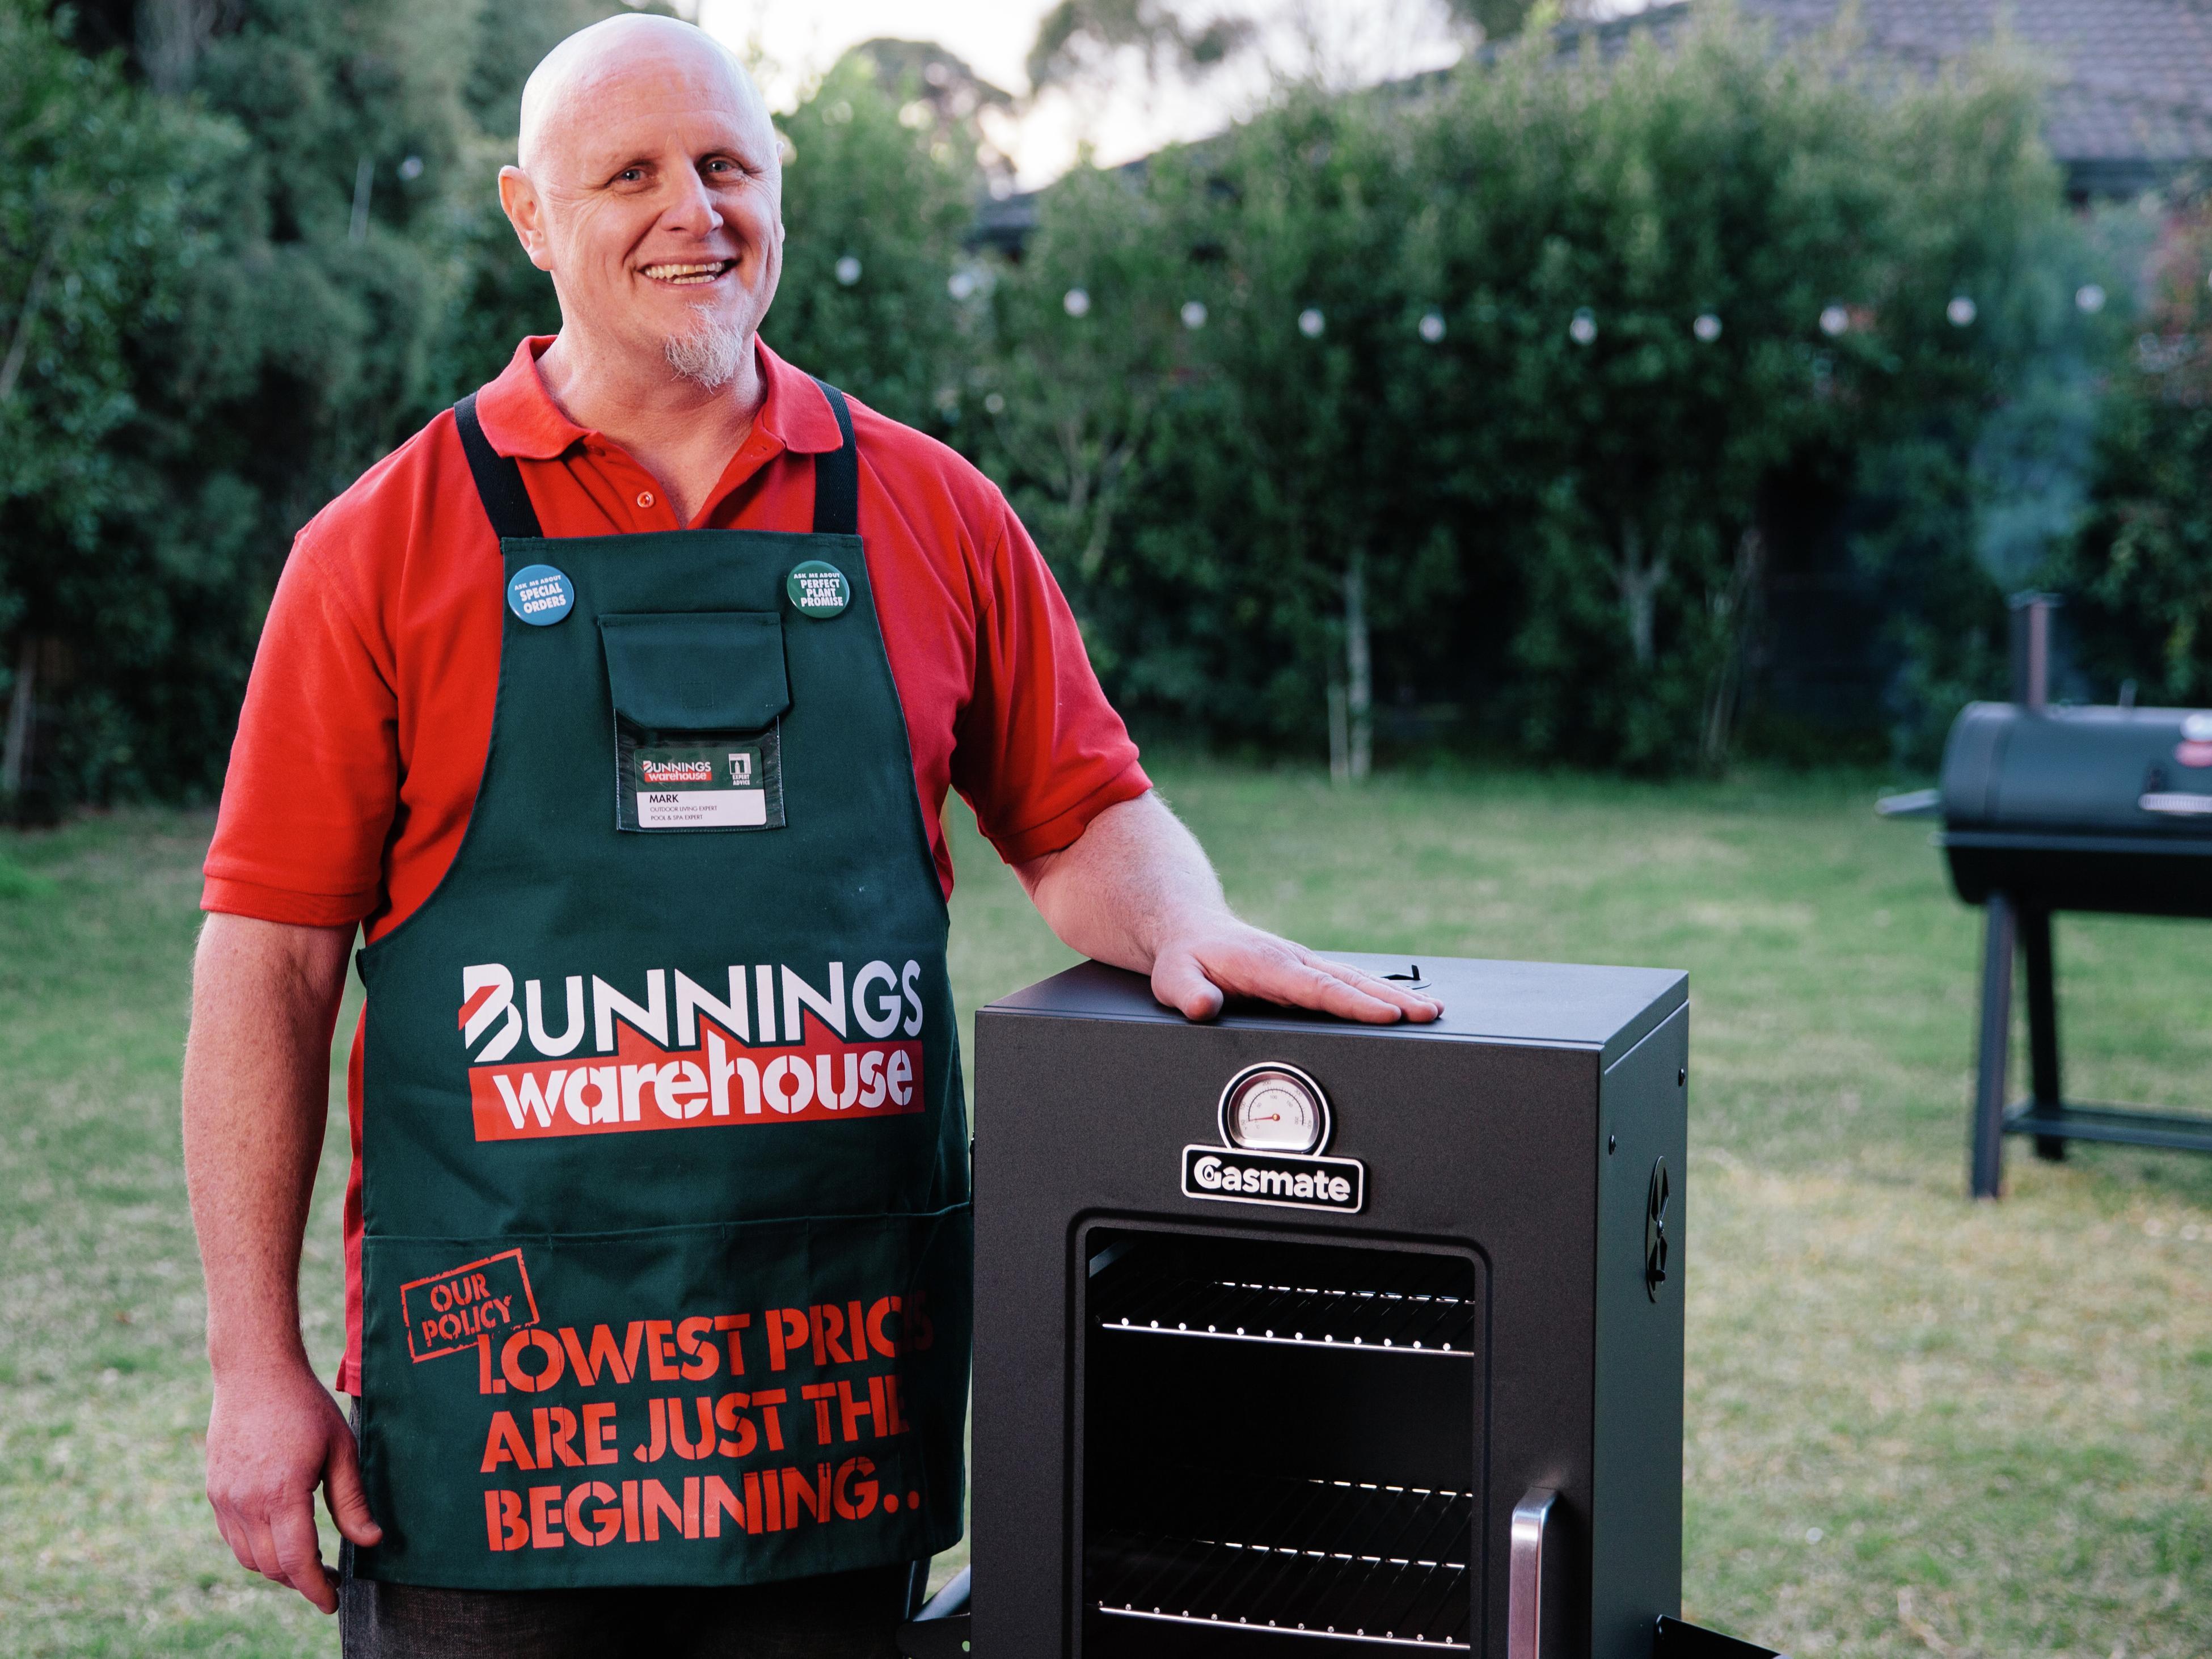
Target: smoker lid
x=1556 y=1003
x=2129 y=772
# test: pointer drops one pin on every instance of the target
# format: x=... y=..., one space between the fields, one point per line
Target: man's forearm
x=1135 y=877
x=1136 y=890
x=256 y=1087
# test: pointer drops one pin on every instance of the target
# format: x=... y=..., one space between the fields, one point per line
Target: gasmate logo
x=669 y=772
x=686 y=1057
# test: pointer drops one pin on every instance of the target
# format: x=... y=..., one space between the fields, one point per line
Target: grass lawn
x=1916 y=1425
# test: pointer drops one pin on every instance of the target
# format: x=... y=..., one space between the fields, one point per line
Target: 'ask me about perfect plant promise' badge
x=817 y=589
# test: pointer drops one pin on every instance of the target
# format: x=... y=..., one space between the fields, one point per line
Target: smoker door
x=1278 y=1445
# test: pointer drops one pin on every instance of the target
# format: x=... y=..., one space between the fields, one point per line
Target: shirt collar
x=522 y=420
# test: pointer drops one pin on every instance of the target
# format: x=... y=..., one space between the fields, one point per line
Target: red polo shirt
x=369 y=710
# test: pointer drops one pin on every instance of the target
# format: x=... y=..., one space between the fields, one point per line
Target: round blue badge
x=540 y=595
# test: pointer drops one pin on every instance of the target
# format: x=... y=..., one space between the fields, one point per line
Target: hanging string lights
x=1707 y=327
x=1962 y=311
x=1311 y=322
x=1835 y=320
x=1431 y=327
x=848 y=271
x=1193 y=313
x=1075 y=302
x=1582 y=331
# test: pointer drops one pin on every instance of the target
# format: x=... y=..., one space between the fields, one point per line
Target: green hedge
x=1481 y=396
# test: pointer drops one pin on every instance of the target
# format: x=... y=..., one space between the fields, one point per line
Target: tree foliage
x=1486 y=395
x=1496 y=385
x=1078 y=39
x=2138 y=577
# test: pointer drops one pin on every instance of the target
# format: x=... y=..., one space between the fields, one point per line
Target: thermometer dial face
x=1274 y=1108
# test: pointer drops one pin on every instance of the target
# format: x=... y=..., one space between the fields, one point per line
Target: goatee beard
x=710 y=353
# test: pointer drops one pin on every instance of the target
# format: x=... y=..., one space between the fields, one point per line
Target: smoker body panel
x=1477 y=1141
x=1636 y=1543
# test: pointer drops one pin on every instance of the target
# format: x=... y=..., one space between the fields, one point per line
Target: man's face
x=651 y=189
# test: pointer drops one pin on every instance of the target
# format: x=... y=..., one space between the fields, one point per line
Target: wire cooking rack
x=1356 y=1562
x=1424 y=1308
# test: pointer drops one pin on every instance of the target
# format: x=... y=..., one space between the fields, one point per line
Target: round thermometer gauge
x=1274 y=1107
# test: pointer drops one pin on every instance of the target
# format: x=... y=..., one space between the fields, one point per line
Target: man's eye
x=630 y=175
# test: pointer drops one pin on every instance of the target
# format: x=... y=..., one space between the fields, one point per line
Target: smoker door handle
x=2177 y=804
x=1524 y=1603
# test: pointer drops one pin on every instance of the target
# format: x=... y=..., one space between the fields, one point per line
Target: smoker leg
x=2042 y=1022
x=1987 y=1171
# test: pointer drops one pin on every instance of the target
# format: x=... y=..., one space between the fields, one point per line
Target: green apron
x=666 y=1233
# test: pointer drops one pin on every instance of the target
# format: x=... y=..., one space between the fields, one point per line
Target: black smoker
x=1300 y=1338
x=2050 y=809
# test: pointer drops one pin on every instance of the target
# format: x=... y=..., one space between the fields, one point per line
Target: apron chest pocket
x=698 y=699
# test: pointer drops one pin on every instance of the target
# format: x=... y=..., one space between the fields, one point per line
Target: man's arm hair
x=1136 y=890
x=256 y=1098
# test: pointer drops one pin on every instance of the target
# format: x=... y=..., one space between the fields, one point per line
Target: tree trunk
x=1359 y=684
x=171 y=33
x=15 y=756
x=1339 y=737
x=1735 y=607
x=1639 y=580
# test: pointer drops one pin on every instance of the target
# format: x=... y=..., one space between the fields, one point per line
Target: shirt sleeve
x=1039 y=751
x=308 y=799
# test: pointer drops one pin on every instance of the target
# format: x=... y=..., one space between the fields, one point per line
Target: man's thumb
x=342 y=1490
x=1179 y=982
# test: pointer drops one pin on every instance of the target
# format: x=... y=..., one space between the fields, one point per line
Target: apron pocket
x=698 y=699
x=728 y=1404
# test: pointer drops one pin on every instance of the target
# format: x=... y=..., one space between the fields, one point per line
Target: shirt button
x=644 y=498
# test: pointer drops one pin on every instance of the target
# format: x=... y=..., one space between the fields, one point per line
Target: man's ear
x=518 y=199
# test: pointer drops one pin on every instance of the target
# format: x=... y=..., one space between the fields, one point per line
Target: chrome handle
x=2177 y=804
x=1524 y=1603
x=1914 y=804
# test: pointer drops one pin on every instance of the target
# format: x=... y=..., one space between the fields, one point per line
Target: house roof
x=2129 y=104
x=2130 y=96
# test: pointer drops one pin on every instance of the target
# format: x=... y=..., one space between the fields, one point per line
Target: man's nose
x=693 y=210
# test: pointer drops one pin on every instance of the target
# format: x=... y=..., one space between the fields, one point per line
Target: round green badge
x=818 y=589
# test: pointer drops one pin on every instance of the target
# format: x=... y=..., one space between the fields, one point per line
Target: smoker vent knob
x=1655 y=1230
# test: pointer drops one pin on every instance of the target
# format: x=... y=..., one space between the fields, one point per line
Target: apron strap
x=837 y=476
x=506 y=503
x=499 y=480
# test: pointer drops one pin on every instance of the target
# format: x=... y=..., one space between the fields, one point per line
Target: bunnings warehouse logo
x=1281 y=1178
x=666 y=772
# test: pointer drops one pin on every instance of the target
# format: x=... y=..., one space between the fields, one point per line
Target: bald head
x=672 y=58
x=650 y=189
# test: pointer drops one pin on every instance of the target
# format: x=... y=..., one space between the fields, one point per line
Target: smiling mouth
x=689 y=275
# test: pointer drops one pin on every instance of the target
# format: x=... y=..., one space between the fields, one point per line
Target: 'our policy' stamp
x=447 y=1312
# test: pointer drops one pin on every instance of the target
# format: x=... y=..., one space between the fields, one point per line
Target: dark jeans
x=848 y=1615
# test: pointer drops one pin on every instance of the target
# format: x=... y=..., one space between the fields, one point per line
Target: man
x=701 y=1390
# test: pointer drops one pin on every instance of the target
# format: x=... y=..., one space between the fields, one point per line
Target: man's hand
x=1194 y=972
x=1136 y=890
x=257 y=1093
x=272 y=1439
